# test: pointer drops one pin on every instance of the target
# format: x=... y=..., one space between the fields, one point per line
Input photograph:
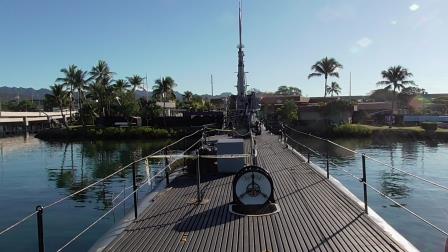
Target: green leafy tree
x=334 y=88
x=325 y=67
x=442 y=103
x=395 y=78
x=381 y=95
x=149 y=109
x=289 y=112
x=285 y=90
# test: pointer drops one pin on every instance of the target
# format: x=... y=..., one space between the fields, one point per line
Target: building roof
x=374 y=106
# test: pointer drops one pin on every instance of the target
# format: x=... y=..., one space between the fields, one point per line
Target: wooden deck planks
x=315 y=215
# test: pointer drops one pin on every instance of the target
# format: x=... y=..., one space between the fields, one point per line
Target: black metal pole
x=134 y=186
x=364 y=180
x=40 y=228
x=185 y=149
x=167 y=175
x=309 y=156
x=328 y=167
x=198 y=180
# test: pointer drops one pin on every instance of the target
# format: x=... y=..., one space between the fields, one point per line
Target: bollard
x=40 y=228
x=364 y=180
x=134 y=186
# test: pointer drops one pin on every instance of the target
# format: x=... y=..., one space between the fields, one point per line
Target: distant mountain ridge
x=12 y=93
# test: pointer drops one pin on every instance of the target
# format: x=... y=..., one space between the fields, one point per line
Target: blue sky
x=189 y=40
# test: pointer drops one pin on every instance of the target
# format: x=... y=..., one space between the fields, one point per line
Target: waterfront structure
x=22 y=122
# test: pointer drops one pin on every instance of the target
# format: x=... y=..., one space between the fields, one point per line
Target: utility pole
x=211 y=82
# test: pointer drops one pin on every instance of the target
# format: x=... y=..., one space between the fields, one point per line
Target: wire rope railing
x=285 y=137
x=161 y=153
x=39 y=209
x=371 y=158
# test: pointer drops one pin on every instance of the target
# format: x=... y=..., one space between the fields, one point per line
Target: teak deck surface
x=314 y=215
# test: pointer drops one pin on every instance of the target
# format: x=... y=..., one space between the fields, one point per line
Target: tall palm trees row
x=395 y=78
x=98 y=88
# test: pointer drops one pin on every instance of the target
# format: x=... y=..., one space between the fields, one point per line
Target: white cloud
x=414 y=7
x=364 y=42
x=361 y=44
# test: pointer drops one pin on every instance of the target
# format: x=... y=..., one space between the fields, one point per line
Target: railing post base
x=40 y=228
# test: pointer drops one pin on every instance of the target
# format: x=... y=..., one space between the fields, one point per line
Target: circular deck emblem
x=252 y=186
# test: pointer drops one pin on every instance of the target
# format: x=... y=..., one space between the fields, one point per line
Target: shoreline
x=108 y=133
x=361 y=131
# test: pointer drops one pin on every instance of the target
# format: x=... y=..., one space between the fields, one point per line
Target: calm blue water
x=34 y=172
x=428 y=159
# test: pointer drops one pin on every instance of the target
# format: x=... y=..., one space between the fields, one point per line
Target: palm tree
x=395 y=78
x=101 y=72
x=121 y=85
x=69 y=81
x=163 y=89
x=326 y=67
x=136 y=81
x=59 y=96
x=102 y=79
x=188 y=95
x=334 y=88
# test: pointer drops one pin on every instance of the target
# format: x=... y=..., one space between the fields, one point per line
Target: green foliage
x=429 y=126
x=381 y=95
x=334 y=107
x=149 y=109
x=285 y=90
x=21 y=106
x=351 y=130
x=113 y=133
x=289 y=112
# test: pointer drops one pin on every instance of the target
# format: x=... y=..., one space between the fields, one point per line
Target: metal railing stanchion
x=134 y=188
x=364 y=182
x=328 y=166
x=308 y=157
x=198 y=180
x=167 y=175
x=40 y=228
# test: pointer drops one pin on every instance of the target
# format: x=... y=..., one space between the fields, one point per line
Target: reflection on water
x=394 y=185
x=34 y=172
x=427 y=159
